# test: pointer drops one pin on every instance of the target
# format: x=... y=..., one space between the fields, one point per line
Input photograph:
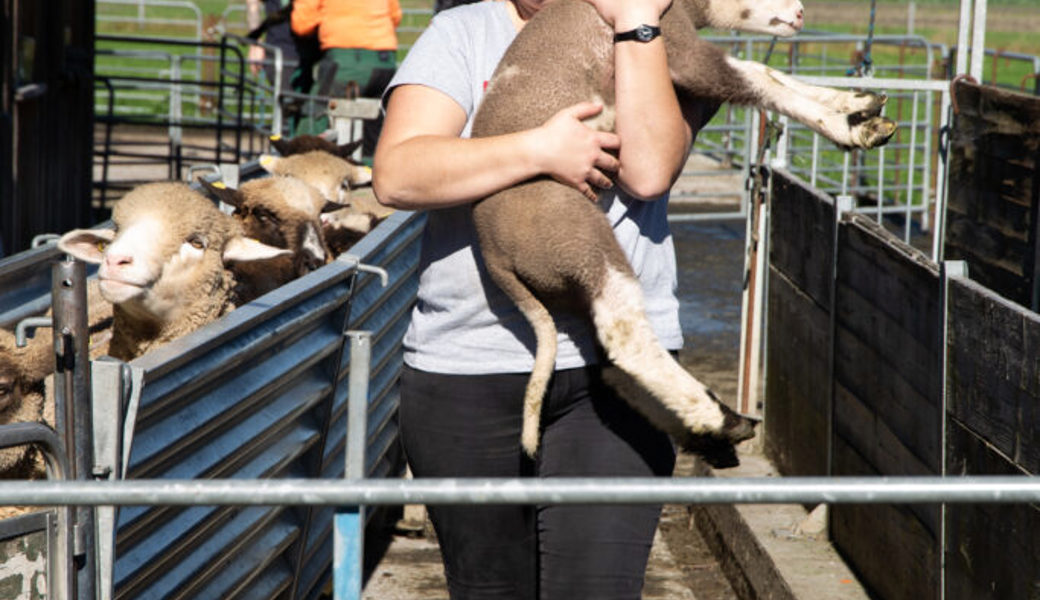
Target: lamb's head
x=283 y=212
x=331 y=175
x=23 y=372
x=169 y=243
x=782 y=18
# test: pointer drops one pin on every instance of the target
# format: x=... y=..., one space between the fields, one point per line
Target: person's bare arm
x=256 y=53
x=253 y=13
x=420 y=162
x=655 y=139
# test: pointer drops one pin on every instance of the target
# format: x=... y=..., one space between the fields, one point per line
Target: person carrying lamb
x=468 y=352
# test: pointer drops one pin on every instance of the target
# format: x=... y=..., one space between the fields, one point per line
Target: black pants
x=469 y=426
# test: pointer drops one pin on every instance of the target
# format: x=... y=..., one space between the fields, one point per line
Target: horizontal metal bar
x=784 y=490
x=878 y=83
x=707 y=216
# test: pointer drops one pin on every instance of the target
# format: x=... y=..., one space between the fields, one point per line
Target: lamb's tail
x=545 y=353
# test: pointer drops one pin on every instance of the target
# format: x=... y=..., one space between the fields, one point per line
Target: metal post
x=842 y=205
x=948 y=270
x=349 y=536
x=941 y=175
x=110 y=380
x=962 y=38
x=276 y=107
x=978 y=40
x=72 y=381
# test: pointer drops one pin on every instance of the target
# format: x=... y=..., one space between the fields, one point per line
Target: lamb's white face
x=169 y=244
x=782 y=18
x=138 y=271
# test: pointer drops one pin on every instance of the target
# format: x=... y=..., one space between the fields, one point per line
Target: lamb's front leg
x=863 y=104
x=849 y=119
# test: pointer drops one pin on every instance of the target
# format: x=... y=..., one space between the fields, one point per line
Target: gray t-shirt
x=462 y=323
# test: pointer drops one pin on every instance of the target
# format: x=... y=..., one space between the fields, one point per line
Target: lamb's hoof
x=866 y=105
x=873 y=132
x=735 y=427
x=717 y=452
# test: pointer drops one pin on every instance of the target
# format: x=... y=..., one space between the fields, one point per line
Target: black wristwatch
x=643 y=33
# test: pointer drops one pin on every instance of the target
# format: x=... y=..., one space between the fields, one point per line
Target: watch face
x=644 y=33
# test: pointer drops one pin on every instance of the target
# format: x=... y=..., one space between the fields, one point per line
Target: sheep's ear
x=87 y=245
x=222 y=192
x=269 y=162
x=331 y=206
x=346 y=150
x=243 y=249
x=281 y=145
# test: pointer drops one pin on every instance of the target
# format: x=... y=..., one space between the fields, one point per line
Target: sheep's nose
x=113 y=260
x=313 y=263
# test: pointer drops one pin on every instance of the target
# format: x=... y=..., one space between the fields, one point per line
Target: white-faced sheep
x=163 y=267
x=283 y=212
x=535 y=79
x=340 y=182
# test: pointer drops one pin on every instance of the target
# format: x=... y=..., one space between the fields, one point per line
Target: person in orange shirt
x=359 y=43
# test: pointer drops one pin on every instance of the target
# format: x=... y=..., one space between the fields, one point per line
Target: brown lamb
x=564 y=55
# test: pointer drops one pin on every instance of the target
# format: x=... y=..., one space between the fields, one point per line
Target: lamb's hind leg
x=632 y=347
x=545 y=352
x=847 y=119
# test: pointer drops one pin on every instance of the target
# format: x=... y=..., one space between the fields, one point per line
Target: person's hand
x=626 y=14
x=575 y=154
x=256 y=57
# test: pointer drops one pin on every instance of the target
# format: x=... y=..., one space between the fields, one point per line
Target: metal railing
x=980 y=489
x=142 y=15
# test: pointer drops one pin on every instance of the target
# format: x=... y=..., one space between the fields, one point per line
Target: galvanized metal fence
x=261 y=393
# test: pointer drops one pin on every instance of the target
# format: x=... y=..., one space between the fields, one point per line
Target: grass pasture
x=908 y=44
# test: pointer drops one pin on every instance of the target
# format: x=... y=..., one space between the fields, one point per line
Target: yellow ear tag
x=267 y=161
x=275 y=137
x=219 y=185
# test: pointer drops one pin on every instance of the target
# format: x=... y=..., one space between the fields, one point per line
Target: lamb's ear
x=87 y=245
x=281 y=145
x=269 y=162
x=222 y=192
x=244 y=249
x=346 y=150
x=331 y=206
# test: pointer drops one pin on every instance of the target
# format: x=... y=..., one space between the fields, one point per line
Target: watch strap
x=643 y=33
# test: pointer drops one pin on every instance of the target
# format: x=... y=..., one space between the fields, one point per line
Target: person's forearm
x=654 y=136
x=440 y=171
x=252 y=14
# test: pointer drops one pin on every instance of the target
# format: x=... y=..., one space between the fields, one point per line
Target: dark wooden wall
x=885 y=396
x=797 y=377
x=994 y=190
x=887 y=406
x=46 y=118
x=993 y=399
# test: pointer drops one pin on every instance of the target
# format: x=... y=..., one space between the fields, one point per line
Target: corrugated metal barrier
x=260 y=393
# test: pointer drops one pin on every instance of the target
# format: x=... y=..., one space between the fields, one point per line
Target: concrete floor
x=699 y=553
